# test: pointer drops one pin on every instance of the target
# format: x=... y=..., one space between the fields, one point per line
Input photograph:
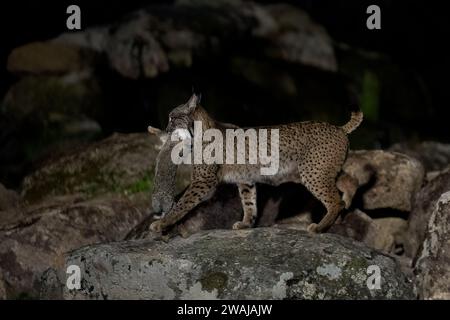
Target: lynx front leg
x=247 y=193
x=198 y=191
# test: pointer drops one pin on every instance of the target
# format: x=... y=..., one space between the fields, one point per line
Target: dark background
x=413 y=40
x=414 y=33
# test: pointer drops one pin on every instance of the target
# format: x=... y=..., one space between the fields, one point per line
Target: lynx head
x=182 y=117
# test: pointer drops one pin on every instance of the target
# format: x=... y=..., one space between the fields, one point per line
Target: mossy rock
x=48 y=58
x=41 y=98
x=122 y=163
x=50 y=111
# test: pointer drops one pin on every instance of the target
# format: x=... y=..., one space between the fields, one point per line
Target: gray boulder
x=424 y=205
x=38 y=238
x=46 y=115
x=8 y=198
x=392 y=179
x=48 y=58
x=121 y=164
x=11 y=206
x=261 y=263
x=2 y=287
x=434 y=156
x=380 y=233
x=288 y=33
x=433 y=267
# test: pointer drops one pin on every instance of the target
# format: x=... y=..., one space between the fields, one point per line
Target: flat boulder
x=260 y=263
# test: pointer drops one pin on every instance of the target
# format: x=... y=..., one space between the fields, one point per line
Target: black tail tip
x=197 y=93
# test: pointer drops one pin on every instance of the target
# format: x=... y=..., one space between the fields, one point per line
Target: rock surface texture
x=433 y=265
x=423 y=208
x=392 y=179
x=38 y=238
x=262 y=263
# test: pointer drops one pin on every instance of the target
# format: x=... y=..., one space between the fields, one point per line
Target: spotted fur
x=310 y=153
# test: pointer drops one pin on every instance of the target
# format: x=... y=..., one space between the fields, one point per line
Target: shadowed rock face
x=423 y=207
x=200 y=29
x=82 y=86
x=90 y=196
x=39 y=236
x=262 y=263
x=392 y=179
x=432 y=267
x=2 y=287
x=434 y=156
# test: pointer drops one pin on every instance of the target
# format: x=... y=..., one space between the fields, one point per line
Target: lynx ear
x=194 y=100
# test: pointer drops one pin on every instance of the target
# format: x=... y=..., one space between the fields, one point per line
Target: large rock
x=2 y=287
x=121 y=164
x=87 y=81
x=44 y=100
x=433 y=265
x=287 y=33
x=261 y=263
x=381 y=233
x=37 y=240
x=8 y=199
x=45 y=115
x=11 y=206
x=391 y=179
x=424 y=205
x=296 y=37
x=434 y=156
x=47 y=58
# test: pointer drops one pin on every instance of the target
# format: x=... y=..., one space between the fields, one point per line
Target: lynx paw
x=241 y=225
x=157 y=226
x=312 y=228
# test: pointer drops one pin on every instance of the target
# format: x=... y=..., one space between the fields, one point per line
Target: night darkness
x=79 y=166
x=412 y=35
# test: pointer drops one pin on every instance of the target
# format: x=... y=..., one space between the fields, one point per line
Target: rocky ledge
x=261 y=263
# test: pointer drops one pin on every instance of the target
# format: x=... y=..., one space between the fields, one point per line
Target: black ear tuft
x=193 y=102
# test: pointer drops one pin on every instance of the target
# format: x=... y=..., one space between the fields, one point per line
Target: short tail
x=354 y=122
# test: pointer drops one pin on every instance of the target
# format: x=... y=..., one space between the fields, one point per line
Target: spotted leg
x=247 y=193
x=201 y=189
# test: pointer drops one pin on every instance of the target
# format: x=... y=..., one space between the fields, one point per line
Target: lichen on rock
x=226 y=264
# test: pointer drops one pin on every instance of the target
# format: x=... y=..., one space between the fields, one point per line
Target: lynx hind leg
x=348 y=186
x=247 y=193
x=322 y=184
x=333 y=203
